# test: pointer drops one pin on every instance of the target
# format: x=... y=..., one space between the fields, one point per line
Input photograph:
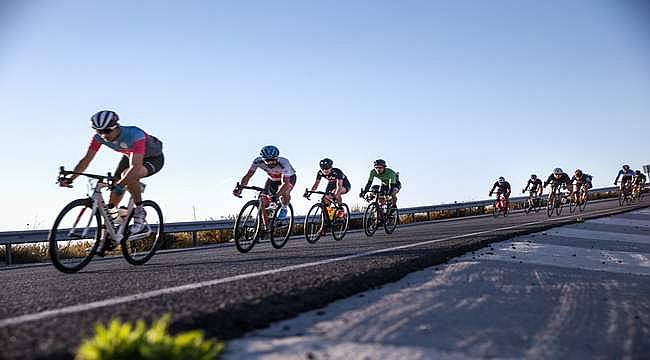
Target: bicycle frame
x=327 y=199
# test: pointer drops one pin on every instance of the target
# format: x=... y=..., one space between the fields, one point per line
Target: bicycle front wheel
x=314 y=223
x=281 y=229
x=139 y=248
x=392 y=218
x=341 y=222
x=370 y=220
x=573 y=204
x=621 y=198
x=247 y=226
x=75 y=236
x=550 y=206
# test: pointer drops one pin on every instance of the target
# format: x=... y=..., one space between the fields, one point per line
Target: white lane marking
x=621 y=222
x=563 y=256
x=176 y=289
x=597 y=235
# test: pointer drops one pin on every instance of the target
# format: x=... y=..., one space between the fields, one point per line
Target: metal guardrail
x=9 y=238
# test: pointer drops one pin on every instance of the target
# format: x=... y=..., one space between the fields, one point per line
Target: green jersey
x=387 y=177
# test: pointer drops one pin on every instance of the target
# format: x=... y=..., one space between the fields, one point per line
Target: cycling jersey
x=131 y=140
x=388 y=177
x=640 y=179
x=585 y=177
x=629 y=173
x=334 y=175
x=501 y=188
x=533 y=184
x=282 y=169
x=564 y=179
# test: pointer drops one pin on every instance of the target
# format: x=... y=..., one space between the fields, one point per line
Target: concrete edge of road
x=235 y=319
x=231 y=243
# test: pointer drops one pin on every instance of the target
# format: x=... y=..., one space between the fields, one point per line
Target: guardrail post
x=194 y=239
x=8 y=253
x=428 y=215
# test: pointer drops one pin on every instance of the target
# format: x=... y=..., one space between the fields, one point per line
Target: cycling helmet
x=557 y=171
x=326 y=163
x=269 y=152
x=626 y=167
x=501 y=180
x=104 y=119
x=380 y=162
x=638 y=172
x=578 y=173
x=533 y=176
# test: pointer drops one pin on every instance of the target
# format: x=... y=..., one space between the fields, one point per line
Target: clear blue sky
x=452 y=94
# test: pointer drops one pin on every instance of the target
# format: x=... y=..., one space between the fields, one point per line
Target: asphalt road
x=45 y=314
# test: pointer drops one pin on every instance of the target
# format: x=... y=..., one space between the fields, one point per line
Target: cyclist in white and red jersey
x=142 y=157
x=282 y=176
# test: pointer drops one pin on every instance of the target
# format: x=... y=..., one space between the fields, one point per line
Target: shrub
x=123 y=341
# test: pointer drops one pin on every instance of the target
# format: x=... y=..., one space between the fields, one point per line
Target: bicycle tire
x=314 y=223
x=149 y=244
x=341 y=224
x=550 y=206
x=370 y=219
x=54 y=235
x=391 y=220
x=495 y=209
x=281 y=232
x=245 y=235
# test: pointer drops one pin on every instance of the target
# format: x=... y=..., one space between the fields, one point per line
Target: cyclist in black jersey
x=581 y=179
x=639 y=180
x=337 y=183
x=627 y=175
x=559 y=178
x=502 y=186
x=535 y=186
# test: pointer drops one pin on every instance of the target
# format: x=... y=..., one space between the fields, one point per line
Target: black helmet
x=380 y=162
x=326 y=163
x=638 y=172
x=578 y=173
x=626 y=167
x=533 y=176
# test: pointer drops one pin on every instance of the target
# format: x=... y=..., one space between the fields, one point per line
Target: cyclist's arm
x=617 y=176
x=527 y=185
x=493 y=187
x=84 y=162
x=316 y=183
x=339 y=185
x=246 y=178
x=369 y=183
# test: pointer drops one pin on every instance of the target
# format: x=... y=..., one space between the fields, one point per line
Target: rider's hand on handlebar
x=362 y=194
x=237 y=191
x=65 y=182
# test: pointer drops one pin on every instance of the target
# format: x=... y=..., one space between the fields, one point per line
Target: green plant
x=123 y=341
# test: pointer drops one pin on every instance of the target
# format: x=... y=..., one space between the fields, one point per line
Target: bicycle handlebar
x=63 y=173
x=240 y=187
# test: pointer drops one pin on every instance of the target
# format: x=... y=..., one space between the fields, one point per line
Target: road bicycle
x=578 y=201
x=501 y=206
x=84 y=228
x=625 y=195
x=326 y=214
x=556 y=201
x=533 y=203
x=637 y=193
x=380 y=211
x=251 y=225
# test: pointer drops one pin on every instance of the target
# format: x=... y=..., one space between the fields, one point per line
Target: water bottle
x=330 y=212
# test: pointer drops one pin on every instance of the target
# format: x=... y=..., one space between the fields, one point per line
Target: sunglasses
x=380 y=167
x=107 y=130
x=270 y=161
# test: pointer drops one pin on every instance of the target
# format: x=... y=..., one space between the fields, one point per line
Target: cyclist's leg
x=118 y=193
x=395 y=188
x=284 y=192
x=340 y=192
x=331 y=190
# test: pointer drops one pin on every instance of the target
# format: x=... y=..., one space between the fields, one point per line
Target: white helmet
x=104 y=119
x=557 y=171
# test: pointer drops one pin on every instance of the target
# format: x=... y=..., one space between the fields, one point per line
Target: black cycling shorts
x=272 y=187
x=397 y=185
x=152 y=164
x=331 y=186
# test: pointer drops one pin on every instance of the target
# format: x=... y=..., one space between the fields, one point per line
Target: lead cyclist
x=142 y=157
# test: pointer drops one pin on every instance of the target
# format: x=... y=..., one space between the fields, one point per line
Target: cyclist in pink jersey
x=142 y=157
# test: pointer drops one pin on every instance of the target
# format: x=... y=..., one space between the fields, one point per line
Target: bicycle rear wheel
x=75 y=236
x=139 y=248
x=370 y=220
x=247 y=226
x=341 y=222
x=281 y=229
x=391 y=220
x=314 y=223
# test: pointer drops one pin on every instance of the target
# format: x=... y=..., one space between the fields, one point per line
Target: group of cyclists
x=143 y=157
x=558 y=179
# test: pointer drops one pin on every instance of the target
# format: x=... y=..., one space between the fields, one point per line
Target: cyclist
x=337 y=183
x=390 y=183
x=502 y=186
x=558 y=178
x=639 y=180
x=536 y=188
x=281 y=176
x=582 y=180
x=142 y=157
x=627 y=174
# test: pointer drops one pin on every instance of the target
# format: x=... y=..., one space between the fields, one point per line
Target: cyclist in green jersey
x=390 y=183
